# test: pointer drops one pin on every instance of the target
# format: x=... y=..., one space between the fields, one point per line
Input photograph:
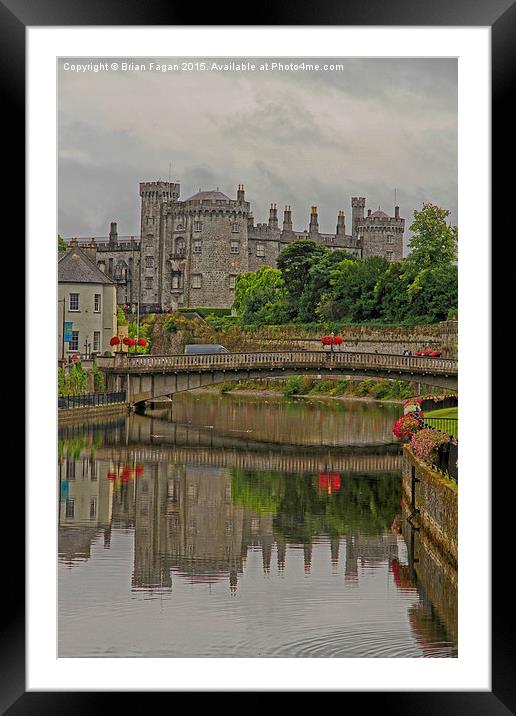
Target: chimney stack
x=287 y=218
x=273 y=217
x=396 y=212
x=341 y=224
x=113 y=233
x=240 y=193
x=314 y=221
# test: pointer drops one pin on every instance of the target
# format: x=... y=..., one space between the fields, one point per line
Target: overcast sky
x=298 y=138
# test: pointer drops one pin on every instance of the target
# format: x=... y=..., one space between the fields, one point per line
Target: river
x=232 y=526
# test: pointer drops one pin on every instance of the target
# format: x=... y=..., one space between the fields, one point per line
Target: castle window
x=148 y=282
x=149 y=261
x=232 y=282
x=176 y=279
x=196 y=280
x=180 y=247
x=390 y=239
x=389 y=255
x=179 y=227
x=97 y=303
x=73 y=304
x=197 y=226
x=235 y=247
x=260 y=250
x=235 y=228
x=197 y=247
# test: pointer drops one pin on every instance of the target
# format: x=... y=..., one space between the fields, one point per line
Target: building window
x=235 y=228
x=148 y=282
x=149 y=261
x=196 y=280
x=260 y=250
x=93 y=507
x=74 y=343
x=179 y=227
x=96 y=341
x=197 y=246
x=97 y=302
x=176 y=279
x=390 y=239
x=73 y=303
x=235 y=247
x=70 y=509
x=389 y=255
x=197 y=226
x=232 y=282
x=180 y=247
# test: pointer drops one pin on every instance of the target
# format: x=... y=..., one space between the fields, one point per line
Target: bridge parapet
x=302 y=359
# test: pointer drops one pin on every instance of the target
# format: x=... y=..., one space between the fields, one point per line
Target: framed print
x=254 y=312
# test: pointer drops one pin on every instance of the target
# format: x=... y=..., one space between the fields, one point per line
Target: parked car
x=195 y=349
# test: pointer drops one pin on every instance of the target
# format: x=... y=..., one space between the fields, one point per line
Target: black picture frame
x=500 y=15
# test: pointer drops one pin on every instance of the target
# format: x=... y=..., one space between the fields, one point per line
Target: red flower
x=338 y=340
x=139 y=470
x=114 y=341
x=142 y=342
x=111 y=476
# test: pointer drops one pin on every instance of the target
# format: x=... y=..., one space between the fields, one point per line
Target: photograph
x=256 y=340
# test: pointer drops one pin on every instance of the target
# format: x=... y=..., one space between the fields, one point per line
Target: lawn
x=445 y=419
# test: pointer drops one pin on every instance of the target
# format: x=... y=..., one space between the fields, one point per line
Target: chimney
x=341 y=224
x=396 y=212
x=240 y=194
x=90 y=249
x=273 y=217
x=287 y=218
x=113 y=233
x=314 y=221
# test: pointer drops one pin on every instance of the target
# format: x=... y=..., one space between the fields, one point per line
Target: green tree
x=294 y=262
x=391 y=293
x=434 y=293
x=353 y=283
x=61 y=243
x=318 y=282
x=434 y=242
x=260 y=296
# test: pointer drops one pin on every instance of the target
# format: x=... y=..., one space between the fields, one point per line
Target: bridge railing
x=378 y=361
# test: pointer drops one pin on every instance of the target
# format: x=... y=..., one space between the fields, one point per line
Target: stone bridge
x=147 y=377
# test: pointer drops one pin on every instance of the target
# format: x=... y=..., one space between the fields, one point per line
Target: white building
x=87 y=308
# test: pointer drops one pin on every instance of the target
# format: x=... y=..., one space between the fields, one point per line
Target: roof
x=380 y=214
x=76 y=267
x=209 y=196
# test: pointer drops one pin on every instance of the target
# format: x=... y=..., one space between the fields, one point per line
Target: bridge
x=148 y=377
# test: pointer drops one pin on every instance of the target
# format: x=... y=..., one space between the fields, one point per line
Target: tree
x=391 y=293
x=353 y=289
x=260 y=296
x=434 y=293
x=318 y=282
x=61 y=243
x=294 y=262
x=434 y=242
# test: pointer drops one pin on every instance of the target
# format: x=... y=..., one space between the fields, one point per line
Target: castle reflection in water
x=186 y=522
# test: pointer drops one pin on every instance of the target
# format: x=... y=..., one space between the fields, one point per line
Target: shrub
x=405 y=427
x=293 y=386
x=425 y=443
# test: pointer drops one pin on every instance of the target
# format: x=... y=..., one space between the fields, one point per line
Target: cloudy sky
x=298 y=138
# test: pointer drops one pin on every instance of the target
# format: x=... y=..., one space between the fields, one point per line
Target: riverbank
x=310 y=396
x=66 y=416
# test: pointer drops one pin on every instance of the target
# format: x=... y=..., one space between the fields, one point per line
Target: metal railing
x=280 y=359
x=445 y=425
x=87 y=400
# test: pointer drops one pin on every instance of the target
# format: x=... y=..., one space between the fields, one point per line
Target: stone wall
x=436 y=498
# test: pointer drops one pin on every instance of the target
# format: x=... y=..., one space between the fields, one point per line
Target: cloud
x=296 y=138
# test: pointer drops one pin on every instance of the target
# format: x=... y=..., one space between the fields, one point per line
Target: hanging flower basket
x=142 y=342
x=405 y=427
x=115 y=341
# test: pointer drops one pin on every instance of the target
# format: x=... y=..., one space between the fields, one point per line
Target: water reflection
x=245 y=559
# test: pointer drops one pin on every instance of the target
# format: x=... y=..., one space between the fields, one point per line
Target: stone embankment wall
x=66 y=416
x=436 y=498
x=386 y=339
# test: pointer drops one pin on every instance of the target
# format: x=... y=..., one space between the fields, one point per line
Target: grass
x=444 y=419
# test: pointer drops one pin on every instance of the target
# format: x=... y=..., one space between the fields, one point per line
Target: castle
x=190 y=252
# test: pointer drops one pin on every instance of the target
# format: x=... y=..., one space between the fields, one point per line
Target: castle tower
x=273 y=217
x=313 y=229
x=153 y=196
x=357 y=212
x=341 y=224
x=382 y=235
